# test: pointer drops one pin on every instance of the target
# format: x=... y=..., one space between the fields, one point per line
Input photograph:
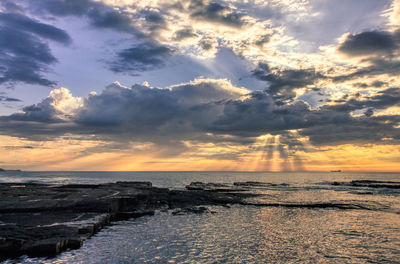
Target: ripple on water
x=246 y=234
x=249 y=234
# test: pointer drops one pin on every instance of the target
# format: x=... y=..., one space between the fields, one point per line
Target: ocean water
x=247 y=234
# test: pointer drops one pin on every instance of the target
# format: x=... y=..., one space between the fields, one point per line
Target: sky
x=192 y=85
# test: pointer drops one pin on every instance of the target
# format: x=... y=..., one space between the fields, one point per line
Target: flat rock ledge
x=41 y=220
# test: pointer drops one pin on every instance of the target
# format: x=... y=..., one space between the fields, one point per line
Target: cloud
x=394 y=13
x=284 y=82
x=10 y=6
x=370 y=43
x=377 y=66
x=216 y=13
x=380 y=100
x=23 y=23
x=142 y=57
x=24 y=54
x=9 y=99
x=64 y=7
x=99 y=14
x=139 y=112
x=184 y=34
x=153 y=113
x=196 y=28
x=4 y=98
x=108 y=18
x=370 y=53
x=57 y=107
x=204 y=110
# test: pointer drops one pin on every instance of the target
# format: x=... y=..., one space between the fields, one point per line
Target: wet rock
x=258 y=184
x=369 y=184
x=192 y=210
x=135 y=184
x=376 y=184
x=252 y=183
x=43 y=220
x=218 y=187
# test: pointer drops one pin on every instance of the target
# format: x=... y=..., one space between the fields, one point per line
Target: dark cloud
x=155 y=21
x=381 y=100
x=361 y=129
x=63 y=7
x=385 y=98
x=24 y=52
x=184 y=34
x=259 y=115
x=263 y=40
x=140 y=107
x=139 y=112
x=370 y=43
x=107 y=18
x=154 y=17
x=378 y=84
x=142 y=57
x=18 y=147
x=8 y=99
x=378 y=66
x=284 y=82
x=99 y=15
x=206 y=110
x=207 y=43
x=215 y=12
x=379 y=48
x=42 y=112
x=336 y=125
x=23 y=23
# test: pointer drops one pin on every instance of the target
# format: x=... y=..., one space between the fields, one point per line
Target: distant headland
x=1 y=169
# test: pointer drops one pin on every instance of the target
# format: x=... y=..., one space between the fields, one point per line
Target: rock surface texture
x=43 y=220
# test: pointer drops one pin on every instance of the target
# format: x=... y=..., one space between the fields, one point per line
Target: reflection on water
x=246 y=235
x=250 y=234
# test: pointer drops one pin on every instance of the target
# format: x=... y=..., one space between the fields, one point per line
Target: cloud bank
x=203 y=107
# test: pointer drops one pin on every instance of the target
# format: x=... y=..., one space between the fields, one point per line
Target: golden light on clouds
x=266 y=154
x=280 y=85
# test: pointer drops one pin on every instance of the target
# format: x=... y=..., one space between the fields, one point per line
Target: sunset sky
x=278 y=85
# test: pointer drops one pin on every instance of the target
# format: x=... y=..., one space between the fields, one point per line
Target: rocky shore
x=43 y=220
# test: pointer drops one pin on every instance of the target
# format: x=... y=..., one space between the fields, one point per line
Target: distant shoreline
x=1 y=169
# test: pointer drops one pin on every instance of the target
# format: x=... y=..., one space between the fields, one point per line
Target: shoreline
x=42 y=220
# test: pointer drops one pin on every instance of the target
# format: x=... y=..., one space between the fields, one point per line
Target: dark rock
x=252 y=183
x=370 y=184
x=8 y=170
x=258 y=184
x=135 y=184
x=218 y=187
x=80 y=186
x=43 y=220
x=376 y=184
x=191 y=210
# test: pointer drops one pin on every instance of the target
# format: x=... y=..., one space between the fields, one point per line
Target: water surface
x=247 y=234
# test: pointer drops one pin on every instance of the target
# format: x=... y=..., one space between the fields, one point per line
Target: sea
x=243 y=233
